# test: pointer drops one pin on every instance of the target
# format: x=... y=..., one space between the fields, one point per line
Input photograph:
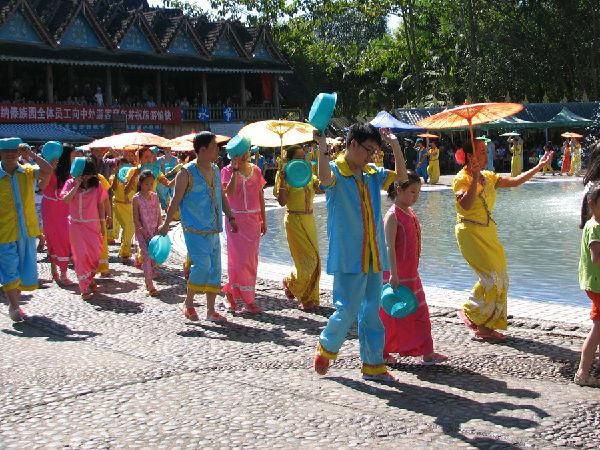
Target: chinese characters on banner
x=86 y=114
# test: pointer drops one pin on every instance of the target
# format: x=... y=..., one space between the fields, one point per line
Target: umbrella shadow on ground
x=242 y=333
x=463 y=379
x=172 y=295
x=117 y=305
x=567 y=359
x=40 y=326
x=460 y=410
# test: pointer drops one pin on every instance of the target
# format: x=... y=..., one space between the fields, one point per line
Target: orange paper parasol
x=124 y=140
x=428 y=136
x=468 y=115
x=570 y=134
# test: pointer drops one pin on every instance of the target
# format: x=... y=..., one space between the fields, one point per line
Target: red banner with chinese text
x=24 y=113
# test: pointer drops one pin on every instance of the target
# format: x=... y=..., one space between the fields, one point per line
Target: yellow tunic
x=516 y=162
x=575 y=160
x=301 y=232
x=123 y=217
x=433 y=169
x=103 y=263
x=478 y=241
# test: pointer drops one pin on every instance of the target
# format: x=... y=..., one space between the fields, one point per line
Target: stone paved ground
x=127 y=371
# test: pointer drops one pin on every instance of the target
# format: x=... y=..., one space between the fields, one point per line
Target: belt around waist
x=201 y=232
x=474 y=222
x=121 y=203
x=246 y=211
x=300 y=213
x=52 y=199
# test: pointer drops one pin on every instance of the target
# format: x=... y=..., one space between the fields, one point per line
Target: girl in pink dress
x=243 y=184
x=411 y=335
x=85 y=198
x=146 y=217
x=55 y=215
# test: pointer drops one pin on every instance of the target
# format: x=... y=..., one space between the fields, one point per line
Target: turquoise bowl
x=122 y=173
x=159 y=248
x=298 y=173
x=322 y=110
x=238 y=146
x=399 y=302
x=52 y=150
x=77 y=166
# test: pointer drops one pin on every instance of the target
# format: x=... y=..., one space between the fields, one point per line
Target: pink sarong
x=242 y=247
x=149 y=217
x=84 y=232
x=411 y=335
x=55 y=217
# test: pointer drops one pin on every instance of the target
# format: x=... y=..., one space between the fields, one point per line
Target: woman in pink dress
x=243 y=184
x=411 y=335
x=85 y=198
x=55 y=215
x=146 y=217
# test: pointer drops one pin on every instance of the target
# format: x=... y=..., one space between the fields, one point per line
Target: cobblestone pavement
x=126 y=370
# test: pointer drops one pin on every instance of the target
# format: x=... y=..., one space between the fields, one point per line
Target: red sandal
x=321 y=364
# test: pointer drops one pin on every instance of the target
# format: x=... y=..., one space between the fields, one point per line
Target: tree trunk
x=408 y=25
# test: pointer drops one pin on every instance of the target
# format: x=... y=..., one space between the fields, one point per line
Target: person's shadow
x=117 y=305
x=426 y=401
x=45 y=327
x=241 y=333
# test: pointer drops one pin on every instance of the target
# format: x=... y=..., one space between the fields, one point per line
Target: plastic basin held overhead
x=152 y=167
x=159 y=248
x=298 y=173
x=52 y=150
x=77 y=166
x=322 y=110
x=399 y=302
x=122 y=173
x=238 y=146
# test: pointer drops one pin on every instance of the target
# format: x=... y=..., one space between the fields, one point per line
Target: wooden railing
x=216 y=113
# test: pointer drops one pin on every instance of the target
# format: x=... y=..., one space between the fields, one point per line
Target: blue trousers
x=18 y=265
x=422 y=171
x=356 y=295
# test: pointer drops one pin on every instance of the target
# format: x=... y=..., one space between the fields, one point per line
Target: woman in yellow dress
x=301 y=231
x=516 y=162
x=575 y=157
x=475 y=189
x=433 y=169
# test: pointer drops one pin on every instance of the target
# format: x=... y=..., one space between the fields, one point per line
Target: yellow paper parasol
x=125 y=140
x=278 y=133
x=468 y=115
x=570 y=134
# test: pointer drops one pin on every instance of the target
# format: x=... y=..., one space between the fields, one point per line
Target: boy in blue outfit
x=357 y=252
x=19 y=226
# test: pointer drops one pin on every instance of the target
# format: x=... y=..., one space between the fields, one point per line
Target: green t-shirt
x=589 y=273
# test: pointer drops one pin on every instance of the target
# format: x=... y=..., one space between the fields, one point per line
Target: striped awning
x=41 y=132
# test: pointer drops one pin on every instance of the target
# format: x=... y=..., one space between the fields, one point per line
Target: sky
x=393 y=21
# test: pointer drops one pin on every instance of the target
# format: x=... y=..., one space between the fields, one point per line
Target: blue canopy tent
x=385 y=120
x=41 y=132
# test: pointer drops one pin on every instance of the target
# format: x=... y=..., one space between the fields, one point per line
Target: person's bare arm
x=181 y=185
x=390 y=228
x=508 y=182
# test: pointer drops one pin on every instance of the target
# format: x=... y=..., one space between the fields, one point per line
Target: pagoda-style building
x=101 y=62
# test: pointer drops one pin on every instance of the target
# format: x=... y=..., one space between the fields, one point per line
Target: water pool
x=537 y=222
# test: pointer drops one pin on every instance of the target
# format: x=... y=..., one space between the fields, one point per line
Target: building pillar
x=243 y=90
x=204 y=90
x=158 y=88
x=49 y=84
x=109 y=89
x=276 y=91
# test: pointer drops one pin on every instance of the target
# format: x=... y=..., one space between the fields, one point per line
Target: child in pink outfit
x=146 y=217
x=86 y=200
x=411 y=335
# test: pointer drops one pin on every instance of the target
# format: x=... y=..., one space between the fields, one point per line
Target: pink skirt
x=55 y=216
x=86 y=248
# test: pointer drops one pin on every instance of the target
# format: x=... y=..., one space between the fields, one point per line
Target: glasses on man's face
x=369 y=150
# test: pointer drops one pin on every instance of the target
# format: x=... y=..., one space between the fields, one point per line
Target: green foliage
x=442 y=52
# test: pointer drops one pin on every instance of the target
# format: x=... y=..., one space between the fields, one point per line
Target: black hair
x=90 y=169
x=413 y=178
x=122 y=160
x=592 y=175
x=361 y=132
x=143 y=150
x=63 y=167
x=145 y=174
x=291 y=151
x=203 y=139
